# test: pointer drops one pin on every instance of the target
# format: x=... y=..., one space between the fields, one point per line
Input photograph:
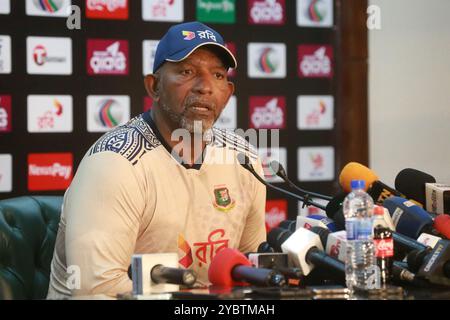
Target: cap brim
x=183 y=54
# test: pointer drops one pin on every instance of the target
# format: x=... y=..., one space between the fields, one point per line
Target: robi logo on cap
x=188 y=35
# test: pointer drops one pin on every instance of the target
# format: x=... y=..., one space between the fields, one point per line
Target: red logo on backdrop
x=148 y=103
x=5 y=113
x=107 y=57
x=266 y=12
x=315 y=61
x=107 y=9
x=276 y=211
x=49 y=171
x=267 y=112
x=232 y=47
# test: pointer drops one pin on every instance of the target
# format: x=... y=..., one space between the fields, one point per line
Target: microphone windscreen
x=411 y=183
x=221 y=267
x=356 y=171
x=409 y=219
x=276 y=237
x=442 y=224
x=323 y=234
x=288 y=225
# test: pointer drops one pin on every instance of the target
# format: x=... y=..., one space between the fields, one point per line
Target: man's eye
x=186 y=72
x=220 y=75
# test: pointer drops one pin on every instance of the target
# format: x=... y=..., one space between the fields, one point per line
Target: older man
x=164 y=181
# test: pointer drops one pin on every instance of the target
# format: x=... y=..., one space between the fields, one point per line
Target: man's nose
x=204 y=83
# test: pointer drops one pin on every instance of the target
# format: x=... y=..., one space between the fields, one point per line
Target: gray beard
x=193 y=126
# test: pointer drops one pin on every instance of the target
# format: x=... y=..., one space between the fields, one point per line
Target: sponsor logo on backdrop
x=5 y=7
x=266 y=12
x=49 y=171
x=48 y=113
x=107 y=57
x=50 y=8
x=5 y=54
x=163 y=10
x=148 y=104
x=219 y=11
x=267 y=112
x=315 y=61
x=49 y=55
x=232 y=47
x=269 y=154
x=276 y=211
x=148 y=52
x=315 y=13
x=107 y=112
x=107 y=9
x=228 y=117
x=315 y=112
x=5 y=173
x=315 y=164
x=5 y=113
x=266 y=60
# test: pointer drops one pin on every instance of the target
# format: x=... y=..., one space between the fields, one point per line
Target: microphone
x=277 y=236
x=276 y=167
x=375 y=188
x=158 y=272
x=438 y=197
x=162 y=274
x=336 y=246
x=230 y=267
x=409 y=219
x=432 y=265
x=315 y=220
x=288 y=224
x=411 y=183
x=277 y=261
x=305 y=251
x=245 y=162
x=442 y=225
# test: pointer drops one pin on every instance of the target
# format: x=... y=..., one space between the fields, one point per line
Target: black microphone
x=276 y=167
x=161 y=274
x=411 y=183
x=245 y=162
x=277 y=236
x=304 y=248
x=288 y=225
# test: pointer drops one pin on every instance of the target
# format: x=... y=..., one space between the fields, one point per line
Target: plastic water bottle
x=361 y=270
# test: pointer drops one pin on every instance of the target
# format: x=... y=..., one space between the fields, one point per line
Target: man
x=148 y=187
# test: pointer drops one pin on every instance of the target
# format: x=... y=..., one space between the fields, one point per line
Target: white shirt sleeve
x=104 y=207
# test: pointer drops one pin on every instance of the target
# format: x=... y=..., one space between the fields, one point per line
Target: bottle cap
x=378 y=210
x=358 y=184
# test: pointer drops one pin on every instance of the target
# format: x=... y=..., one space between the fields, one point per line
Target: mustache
x=197 y=102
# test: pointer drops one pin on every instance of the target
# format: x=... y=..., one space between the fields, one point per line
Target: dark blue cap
x=182 y=39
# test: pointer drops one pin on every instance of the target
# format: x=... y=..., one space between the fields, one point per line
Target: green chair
x=28 y=227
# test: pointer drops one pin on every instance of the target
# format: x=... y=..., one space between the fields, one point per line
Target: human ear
x=151 y=85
